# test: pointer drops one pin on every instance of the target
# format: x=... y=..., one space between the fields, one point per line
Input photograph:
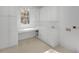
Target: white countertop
x=27 y=30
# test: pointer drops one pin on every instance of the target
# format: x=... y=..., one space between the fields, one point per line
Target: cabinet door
x=49 y=33
x=48 y=30
x=13 y=32
x=4 y=10
x=3 y=32
x=13 y=11
x=52 y=33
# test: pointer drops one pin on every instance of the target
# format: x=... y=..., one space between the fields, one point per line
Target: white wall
x=34 y=22
x=4 y=29
x=9 y=18
x=48 y=18
x=8 y=25
x=69 y=17
x=33 y=17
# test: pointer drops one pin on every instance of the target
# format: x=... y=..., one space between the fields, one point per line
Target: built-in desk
x=27 y=33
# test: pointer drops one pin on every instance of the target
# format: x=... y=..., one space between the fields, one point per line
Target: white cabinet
x=13 y=11
x=8 y=27
x=3 y=32
x=13 y=32
x=4 y=11
x=49 y=33
x=48 y=30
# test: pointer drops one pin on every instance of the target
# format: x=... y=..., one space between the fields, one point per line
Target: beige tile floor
x=33 y=45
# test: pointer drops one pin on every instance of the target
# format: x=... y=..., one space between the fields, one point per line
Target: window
x=25 y=16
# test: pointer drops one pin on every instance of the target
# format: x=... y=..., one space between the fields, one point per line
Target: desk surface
x=27 y=30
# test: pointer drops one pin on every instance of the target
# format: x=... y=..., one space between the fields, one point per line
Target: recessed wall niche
x=25 y=15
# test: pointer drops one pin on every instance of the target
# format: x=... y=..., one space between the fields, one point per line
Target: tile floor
x=33 y=45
